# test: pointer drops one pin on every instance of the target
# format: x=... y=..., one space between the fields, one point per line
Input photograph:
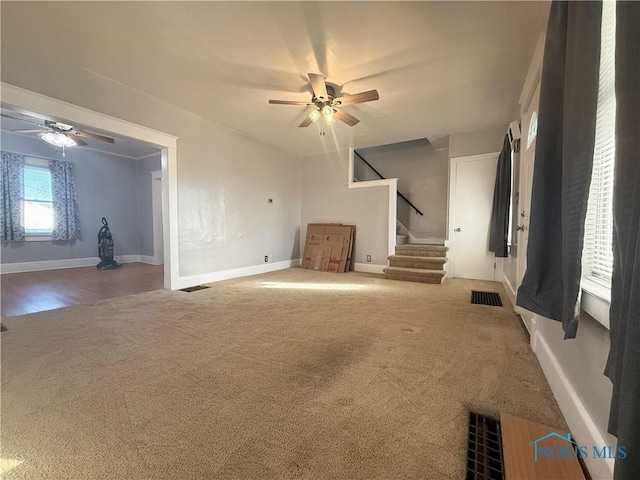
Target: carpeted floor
x=292 y=374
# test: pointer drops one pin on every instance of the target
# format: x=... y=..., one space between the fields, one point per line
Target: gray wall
x=106 y=186
x=326 y=199
x=423 y=177
x=144 y=167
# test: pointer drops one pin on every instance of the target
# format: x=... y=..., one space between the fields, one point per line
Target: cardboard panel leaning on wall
x=106 y=187
x=325 y=197
x=331 y=241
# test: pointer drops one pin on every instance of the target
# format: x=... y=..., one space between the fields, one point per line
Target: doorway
x=156 y=193
x=472 y=182
x=22 y=100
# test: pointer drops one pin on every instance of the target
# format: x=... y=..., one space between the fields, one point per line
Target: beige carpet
x=293 y=374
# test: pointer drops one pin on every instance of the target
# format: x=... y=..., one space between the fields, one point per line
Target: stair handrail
x=384 y=178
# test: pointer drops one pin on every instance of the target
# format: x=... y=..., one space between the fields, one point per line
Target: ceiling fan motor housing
x=321 y=102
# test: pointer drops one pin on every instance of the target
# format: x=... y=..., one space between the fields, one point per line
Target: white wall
x=325 y=197
x=224 y=178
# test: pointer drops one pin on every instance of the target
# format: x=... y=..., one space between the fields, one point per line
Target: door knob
x=520 y=228
x=458 y=229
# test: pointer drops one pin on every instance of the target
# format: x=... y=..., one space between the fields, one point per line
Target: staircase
x=417 y=262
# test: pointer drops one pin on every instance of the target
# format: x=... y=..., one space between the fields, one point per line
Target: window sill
x=596 y=301
x=38 y=238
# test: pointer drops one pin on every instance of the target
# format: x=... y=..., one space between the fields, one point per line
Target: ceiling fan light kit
x=57 y=139
x=315 y=116
x=327 y=105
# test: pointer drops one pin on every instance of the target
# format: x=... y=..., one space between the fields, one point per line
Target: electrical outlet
x=369 y=258
x=266 y=258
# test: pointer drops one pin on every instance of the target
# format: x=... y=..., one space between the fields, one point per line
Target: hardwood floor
x=38 y=291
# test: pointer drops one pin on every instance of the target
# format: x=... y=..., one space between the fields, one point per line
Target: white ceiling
x=440 y=67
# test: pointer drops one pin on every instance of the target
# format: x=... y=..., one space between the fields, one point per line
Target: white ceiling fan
x=60 y=134
x=327 y=105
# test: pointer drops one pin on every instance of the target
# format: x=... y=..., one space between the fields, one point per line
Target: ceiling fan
x=60 y=134
x=327 y=105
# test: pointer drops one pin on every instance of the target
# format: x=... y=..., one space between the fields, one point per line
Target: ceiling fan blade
x=306 y=122
x=318 y=85
x=94 y=136
x=28 y=131
x=345 y=117
x=73 y=136
x=288 y=102
x=22 y=120
x=362 y=97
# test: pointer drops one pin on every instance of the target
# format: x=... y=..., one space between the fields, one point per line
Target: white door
x=527 y=155
x=472 y=183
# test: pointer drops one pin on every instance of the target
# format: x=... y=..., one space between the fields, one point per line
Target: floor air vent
x=486 y=298
x=484 y=452
x=194 y=289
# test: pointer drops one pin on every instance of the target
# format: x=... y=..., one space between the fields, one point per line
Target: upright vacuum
x=105 y=248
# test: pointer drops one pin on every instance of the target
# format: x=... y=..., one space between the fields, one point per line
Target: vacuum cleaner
x=105 y=248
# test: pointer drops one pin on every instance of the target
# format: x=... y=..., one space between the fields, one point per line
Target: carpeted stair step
x=414 y=274
x=421 y=250
x=429 y=263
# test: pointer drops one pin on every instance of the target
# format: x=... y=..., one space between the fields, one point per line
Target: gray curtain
x=12 y=193
x=563 y=163
x=623 y=366
x=501 y=202
x=66 y=217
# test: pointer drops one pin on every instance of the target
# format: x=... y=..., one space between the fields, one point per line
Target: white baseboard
x=368 y=267
x=511 y=292
x=192 y=280
x=23 y=267
x=151 y=260
x=582 y=426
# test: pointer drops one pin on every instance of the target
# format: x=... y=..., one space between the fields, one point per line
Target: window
x=38 y=202
x=598 y=241
x=533 y=129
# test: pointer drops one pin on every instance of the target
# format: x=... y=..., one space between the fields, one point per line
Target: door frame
x=26 y=101
x=525 y=187
x=532 y=80
x=453 y=179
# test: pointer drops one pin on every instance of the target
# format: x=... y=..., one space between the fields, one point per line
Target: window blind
x=598 y=242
